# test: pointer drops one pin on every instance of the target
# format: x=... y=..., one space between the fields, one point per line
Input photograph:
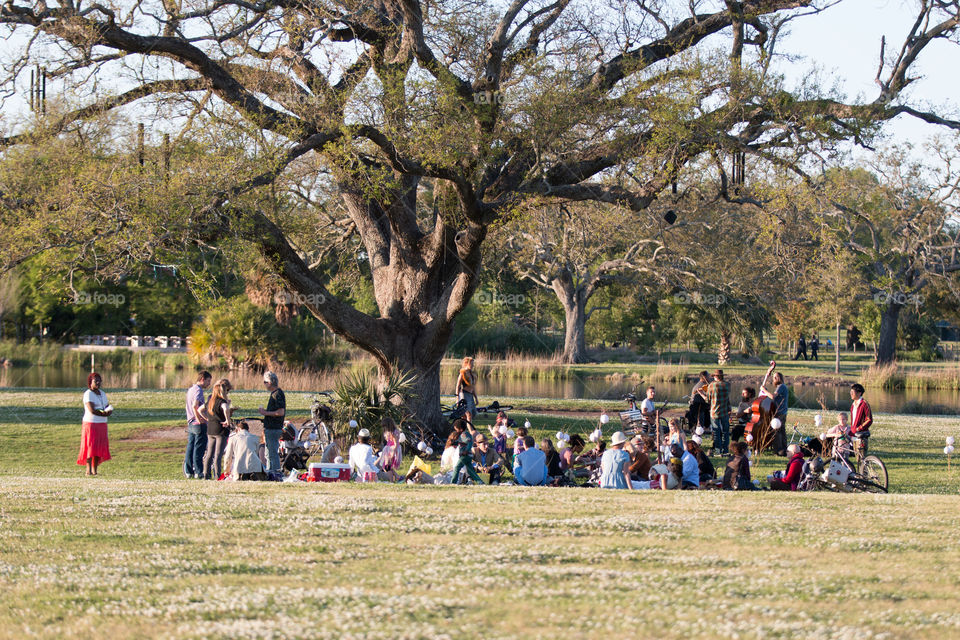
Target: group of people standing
x=213 y=436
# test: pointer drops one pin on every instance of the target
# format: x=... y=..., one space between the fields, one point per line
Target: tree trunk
x=887 y=344
x=836 y=350
x=575 y=331
x=424 y=403
x=723 y=354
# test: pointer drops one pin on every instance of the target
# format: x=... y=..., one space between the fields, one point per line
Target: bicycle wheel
x=860 y=484
x=873 y=469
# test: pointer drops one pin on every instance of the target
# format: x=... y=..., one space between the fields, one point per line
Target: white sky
x=843 y=42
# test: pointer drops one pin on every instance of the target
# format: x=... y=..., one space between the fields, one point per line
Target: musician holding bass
x=780 y=396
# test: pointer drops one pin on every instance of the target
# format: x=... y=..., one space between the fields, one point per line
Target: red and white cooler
x=329 y=472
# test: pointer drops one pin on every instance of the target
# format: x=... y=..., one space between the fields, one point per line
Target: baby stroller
x=297 y=446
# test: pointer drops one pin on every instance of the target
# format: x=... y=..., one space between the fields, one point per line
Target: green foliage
x=241 y=332
x=359 y=397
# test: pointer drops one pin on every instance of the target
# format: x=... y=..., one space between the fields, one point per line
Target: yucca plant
x=358 y=396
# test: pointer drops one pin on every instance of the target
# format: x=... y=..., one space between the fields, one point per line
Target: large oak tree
x=430 y=120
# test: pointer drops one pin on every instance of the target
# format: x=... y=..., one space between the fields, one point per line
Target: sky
x=844 y=42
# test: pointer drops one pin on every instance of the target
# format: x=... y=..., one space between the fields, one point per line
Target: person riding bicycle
x=861 y=418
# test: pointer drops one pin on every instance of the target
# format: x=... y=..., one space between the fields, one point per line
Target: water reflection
x=803 y=396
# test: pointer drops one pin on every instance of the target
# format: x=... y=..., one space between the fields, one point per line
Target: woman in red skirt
x=94 y=445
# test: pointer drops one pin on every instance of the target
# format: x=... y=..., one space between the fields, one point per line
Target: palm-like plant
x=359 y=396
x=727 y=316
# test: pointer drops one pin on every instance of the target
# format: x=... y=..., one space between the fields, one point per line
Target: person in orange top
x=467 y=388
x=861 y=418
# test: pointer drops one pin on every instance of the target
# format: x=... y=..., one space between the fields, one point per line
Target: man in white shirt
x=649 y=411
x=362 y=461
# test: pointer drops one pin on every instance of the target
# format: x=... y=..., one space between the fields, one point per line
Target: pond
x=803 y=396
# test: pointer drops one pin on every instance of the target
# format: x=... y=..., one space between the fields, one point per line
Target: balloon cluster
x=563 y=439
x=948 y=450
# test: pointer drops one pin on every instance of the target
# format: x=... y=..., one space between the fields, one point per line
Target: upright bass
x=761 y=411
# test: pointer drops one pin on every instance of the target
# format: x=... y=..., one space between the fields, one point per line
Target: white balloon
x=429 y=451
x=823 y=436
x=604 y=418
x=749 y=437
x=561 y=444
x=402 y=438
x=527 y=424
x=502 y=430
x=946 y=451
x=950 y=440
x=593 y=437
x=511 y=433
x=353 y=424
x=422 y=446
x=338 y=460
x=559 y=435
x=818 y=420
x=699 y=431
x=697 y=439
x=775 y=424
x=566 y=437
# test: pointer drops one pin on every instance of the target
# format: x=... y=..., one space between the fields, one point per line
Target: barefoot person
x=467 y=388
x=94 y=444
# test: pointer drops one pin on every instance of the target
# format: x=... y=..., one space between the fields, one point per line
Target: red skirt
x=94 y=442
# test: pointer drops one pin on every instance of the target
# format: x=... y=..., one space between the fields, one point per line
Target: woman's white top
x=99 y=402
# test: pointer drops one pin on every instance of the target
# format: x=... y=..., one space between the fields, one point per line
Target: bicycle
x=839 y=475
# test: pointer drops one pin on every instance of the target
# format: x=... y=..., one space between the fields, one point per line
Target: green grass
x=139 y=552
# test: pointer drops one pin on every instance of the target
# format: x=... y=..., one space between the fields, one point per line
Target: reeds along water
x=893 y=376
x=510 y=366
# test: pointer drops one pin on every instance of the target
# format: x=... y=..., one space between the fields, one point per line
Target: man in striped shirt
x=718 y=395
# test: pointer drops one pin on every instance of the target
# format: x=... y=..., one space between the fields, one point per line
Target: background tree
x=576 y=250
x=899 y=220
x=834 y=292
x=428 y=126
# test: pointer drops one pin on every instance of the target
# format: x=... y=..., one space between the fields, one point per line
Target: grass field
x=139 y=552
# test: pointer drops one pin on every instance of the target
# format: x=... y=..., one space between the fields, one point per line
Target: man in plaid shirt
x=718 y=395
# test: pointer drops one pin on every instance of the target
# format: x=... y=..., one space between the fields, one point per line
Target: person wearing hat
x=363 y=463
x=718 y=395
x=273 y=420
x=615 y=464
